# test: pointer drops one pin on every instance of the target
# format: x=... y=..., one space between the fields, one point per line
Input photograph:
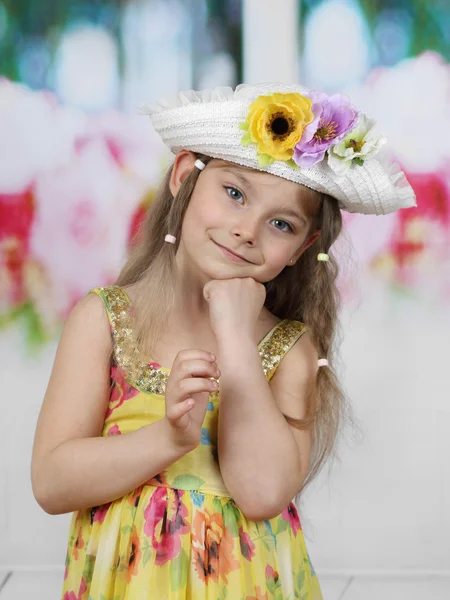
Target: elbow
x=45 y=497
x=262 y=509
x=49 y=505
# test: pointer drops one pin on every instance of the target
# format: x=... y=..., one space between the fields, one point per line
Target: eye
x=289 y=229
x=234 y=193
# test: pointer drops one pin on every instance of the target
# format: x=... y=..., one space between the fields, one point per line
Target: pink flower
x=290 y=514
x=98 y=513
x=168 y=543
x=271 y=573
x=73 y=596
x=121 y=391
x=247 y=546
x=114 y=430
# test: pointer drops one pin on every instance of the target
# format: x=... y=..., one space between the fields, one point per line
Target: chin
x=224 y=272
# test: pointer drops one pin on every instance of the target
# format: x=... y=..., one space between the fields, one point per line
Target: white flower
x=360 y=144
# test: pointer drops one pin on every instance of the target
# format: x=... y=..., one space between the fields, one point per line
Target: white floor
x=47 y=586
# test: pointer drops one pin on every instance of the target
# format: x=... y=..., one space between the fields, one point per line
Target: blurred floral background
x=78 y=166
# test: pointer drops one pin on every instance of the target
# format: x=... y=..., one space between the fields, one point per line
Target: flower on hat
x=361 y=143
x=276 y=123
x=334 y=118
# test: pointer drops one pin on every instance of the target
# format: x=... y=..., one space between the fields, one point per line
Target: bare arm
x=72 y=467
x=263 y=459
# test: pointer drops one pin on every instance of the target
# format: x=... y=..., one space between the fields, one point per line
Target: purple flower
x=335 y=119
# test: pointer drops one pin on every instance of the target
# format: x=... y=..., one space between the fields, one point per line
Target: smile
x=232 y=255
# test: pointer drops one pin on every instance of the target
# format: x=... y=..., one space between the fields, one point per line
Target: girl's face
x=237 y=212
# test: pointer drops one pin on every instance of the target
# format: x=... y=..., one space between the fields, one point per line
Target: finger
x=206 y=291
x=193 y=354
x=187 y=387
x=195 y=368
x=177 y=411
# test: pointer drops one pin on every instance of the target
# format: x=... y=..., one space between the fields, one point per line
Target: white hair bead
x=170 y=238
x=199 y=164
x=322 y=362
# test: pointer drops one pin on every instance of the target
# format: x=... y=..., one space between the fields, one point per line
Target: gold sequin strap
x=139 y=372
x=275 y=346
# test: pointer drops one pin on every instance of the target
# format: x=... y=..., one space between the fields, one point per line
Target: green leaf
x=264 y=160
x=187 y=482
x=271 y=586
x=246 y=140
x=266 y=544
x=127 y=529
x=33 y=324
x=146 y=556
x=282 y=525
x=291 y=163
x=300 y=579
x=223 y=593
x=229 y=519
x=179 y=568
x=359 y=161
x=244 y=126
x=88 y=568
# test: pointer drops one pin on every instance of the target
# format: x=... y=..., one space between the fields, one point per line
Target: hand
x=187 y=395
x=234 y=304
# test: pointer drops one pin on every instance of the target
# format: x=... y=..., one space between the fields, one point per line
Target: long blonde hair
x=306 y=292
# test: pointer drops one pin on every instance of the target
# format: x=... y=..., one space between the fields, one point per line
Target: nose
x=245 y=230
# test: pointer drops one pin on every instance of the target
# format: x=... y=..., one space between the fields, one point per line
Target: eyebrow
x=286 y=211
x=244 y=180
x=294 y=213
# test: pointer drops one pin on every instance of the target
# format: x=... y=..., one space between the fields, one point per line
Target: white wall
x=385 y=506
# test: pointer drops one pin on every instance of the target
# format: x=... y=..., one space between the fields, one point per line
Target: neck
x=189 y=299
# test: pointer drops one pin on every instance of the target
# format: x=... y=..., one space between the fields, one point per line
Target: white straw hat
x=320 y=141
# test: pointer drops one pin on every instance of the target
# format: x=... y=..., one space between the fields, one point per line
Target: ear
x=182 y=166
x=307 y=243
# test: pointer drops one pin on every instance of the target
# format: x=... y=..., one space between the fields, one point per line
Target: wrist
x=235 y=351
x=178 y=444
x=234 y=338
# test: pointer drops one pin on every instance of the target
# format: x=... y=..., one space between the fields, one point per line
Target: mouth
x=232 y=255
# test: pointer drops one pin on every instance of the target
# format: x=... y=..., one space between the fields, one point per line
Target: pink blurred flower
x=83 y=214
x=37 y=135
x=16 y=217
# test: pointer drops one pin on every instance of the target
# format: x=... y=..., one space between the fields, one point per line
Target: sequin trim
x=150 y=379
x=146 y=377
x=273 y=349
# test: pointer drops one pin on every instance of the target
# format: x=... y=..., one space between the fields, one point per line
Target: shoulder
x=88 y=323
x=296 y=372
x=302 y=356
x=90 y=308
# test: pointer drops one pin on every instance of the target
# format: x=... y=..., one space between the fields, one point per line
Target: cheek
x=277 y=254
x=205 y=212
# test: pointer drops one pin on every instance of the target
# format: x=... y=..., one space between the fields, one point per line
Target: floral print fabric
x=180 y=536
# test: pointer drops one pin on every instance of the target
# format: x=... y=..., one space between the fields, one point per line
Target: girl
x=181 y=468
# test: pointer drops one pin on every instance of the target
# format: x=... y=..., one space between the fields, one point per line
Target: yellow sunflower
x=276 y=123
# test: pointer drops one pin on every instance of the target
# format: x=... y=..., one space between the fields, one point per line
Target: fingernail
x=212 y=356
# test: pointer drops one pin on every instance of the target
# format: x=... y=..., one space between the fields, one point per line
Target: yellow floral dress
x=180 y=536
